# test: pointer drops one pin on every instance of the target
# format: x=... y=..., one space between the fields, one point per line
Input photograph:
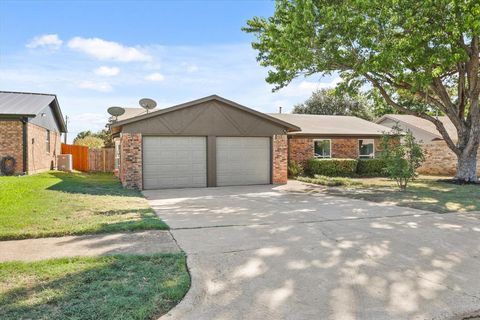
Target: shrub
x=333 y=167
x=371 y=168
x=294 y=169
x=329 y=181
x=401 y=159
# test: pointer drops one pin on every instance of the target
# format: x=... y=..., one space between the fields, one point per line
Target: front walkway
x=144 y=242
x=289 y=252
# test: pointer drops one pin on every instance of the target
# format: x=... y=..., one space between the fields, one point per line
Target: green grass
x=58 y=203
x=110 y=287
x=426 y=193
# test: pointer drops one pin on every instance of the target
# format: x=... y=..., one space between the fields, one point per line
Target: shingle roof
x=132 y=112
x=327 y=125
x=20 y=103
x=29 y=105
x=423 y=124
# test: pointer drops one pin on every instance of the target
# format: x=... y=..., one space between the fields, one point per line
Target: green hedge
x=333 y=167
x=346 y=167
x=371 y=168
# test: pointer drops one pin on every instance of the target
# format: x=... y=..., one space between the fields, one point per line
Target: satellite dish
x=147 y=104
x=116 y=111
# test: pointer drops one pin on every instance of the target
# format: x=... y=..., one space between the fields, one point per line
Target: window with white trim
x=366 y=148
x=322 y=148
x=48 y=141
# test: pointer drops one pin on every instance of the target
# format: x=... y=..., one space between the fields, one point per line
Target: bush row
x=346 y=167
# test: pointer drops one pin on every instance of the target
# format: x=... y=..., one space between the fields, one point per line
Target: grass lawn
x=110 y=287
x=58 y=203
x=425 y=193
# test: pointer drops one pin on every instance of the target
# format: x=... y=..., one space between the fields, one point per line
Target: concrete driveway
x=285 y=252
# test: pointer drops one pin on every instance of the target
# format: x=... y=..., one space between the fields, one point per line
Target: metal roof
x=329 y=125
x=29 y=104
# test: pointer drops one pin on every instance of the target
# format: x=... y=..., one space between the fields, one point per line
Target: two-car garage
x=180 y=162
x=208 y=142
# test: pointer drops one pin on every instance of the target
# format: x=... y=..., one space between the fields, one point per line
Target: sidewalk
x=144 y=242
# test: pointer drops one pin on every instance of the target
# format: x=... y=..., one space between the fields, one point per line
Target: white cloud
x=51 y=41
x=97 y=86
x=107 y=71
x=107 y=50
x=190 y=67
x=155 y=77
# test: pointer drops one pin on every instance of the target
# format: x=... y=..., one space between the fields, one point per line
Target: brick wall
x=11 y=142
x=440 y=160
x=130 y=173
x=39 y=158
x=301 y=148
x=280 y=159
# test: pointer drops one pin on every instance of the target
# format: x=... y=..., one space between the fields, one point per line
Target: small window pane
x=322 y=149
x=48 y=141
x=366 y=148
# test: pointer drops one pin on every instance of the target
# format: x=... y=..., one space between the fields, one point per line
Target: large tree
x=421 y=56
x=326 y=102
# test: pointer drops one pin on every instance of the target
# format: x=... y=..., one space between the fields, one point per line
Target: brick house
x=325 y=136
x=213 y=142
x=439 y=159
x=207 y=142
x=30 y=130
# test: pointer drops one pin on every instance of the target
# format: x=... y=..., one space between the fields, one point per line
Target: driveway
x=287 y=252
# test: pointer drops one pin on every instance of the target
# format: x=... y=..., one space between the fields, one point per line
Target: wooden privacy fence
x=86 y=159
x=102 y=160
x=79 y=156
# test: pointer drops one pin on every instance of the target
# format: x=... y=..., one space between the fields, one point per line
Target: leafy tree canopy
x=104 y=135
x=422 y=57
x=326 y=102
x=90 y=141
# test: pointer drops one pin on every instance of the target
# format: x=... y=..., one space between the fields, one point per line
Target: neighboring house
x=439 y=159
x=325 y=136
x=207 y=142
x=423 y=130
x=30 y=130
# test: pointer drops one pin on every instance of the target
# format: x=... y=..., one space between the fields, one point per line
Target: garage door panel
x=174 y=162
x=243 y=160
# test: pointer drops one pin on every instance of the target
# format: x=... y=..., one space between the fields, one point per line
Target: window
x=117 y=155
x=48 y=141
x=366 y=149
x=322 y=148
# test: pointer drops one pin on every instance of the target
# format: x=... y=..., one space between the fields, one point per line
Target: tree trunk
x=467 y=166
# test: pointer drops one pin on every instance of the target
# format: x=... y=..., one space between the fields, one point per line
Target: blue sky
x=96 y=54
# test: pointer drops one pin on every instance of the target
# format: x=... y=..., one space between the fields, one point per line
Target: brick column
x=131 y=160
x=280 y=159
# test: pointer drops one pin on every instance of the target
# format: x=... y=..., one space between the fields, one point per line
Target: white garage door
x=243 y=161
x=174 y=162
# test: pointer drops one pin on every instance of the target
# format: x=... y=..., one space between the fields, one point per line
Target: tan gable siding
x=212 y=118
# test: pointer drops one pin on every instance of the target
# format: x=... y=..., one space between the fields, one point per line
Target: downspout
x=25 y=144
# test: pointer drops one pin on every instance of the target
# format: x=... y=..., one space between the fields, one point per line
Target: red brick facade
x=280 y=159
x=40 y=158
x=301 y=149
x=131 y=160
x=11 y=142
